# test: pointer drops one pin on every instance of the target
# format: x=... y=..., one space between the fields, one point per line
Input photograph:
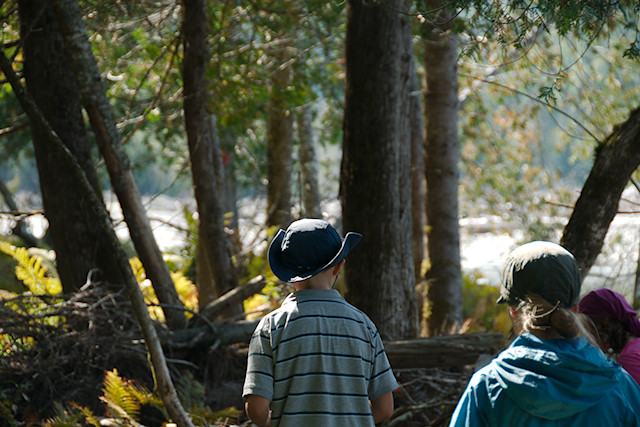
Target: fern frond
x=144 y=396
x=31 y=271
x=89 y=417
x=118 y=397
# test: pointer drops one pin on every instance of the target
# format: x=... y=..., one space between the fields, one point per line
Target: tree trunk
x=615 y=160
x=206 y=163
x=92 y=94
x=74 y=235
x=308 y=165
x=232 y=215
x=375 y=173
x=158 y=362
x=279 y=145
x=418 y=183
x=442 y=155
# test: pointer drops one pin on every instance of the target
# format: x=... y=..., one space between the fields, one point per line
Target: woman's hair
x=539 y=315
x=610 y=333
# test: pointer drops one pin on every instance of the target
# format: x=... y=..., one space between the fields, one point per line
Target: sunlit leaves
x=185 y=288
x=31 y=271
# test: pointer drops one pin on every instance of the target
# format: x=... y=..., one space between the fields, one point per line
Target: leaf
x=119 y=398
x=31 y=271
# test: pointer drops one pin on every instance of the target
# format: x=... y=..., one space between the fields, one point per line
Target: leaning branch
x=158 y=362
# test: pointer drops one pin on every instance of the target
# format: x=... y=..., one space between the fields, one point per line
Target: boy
x=317 y=360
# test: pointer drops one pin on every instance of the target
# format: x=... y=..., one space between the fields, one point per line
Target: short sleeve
x=259 y=376
x=382 y=379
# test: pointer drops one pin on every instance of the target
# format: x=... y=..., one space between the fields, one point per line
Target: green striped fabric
x=319 y=360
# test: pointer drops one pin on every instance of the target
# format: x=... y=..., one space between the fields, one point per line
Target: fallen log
x=443 y=351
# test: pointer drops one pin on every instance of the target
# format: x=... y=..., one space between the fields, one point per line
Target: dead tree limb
x=443 y=351
x=233 y=297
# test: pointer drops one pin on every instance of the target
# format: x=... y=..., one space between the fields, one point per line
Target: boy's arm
x=258 y=410
x=382 y=407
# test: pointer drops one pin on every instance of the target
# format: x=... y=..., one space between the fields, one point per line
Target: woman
x=551 y=375
x=617 y=327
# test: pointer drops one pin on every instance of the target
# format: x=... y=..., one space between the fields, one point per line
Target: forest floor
x=55 y=353
x=426 y=397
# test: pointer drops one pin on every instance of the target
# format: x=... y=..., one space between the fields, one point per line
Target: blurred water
x=485 y=241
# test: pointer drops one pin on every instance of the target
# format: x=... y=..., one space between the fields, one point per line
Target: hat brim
x=290 y=275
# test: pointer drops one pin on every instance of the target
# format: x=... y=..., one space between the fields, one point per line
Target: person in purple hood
x=617 y=327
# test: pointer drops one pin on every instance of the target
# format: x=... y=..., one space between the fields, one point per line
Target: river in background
x=485 y=241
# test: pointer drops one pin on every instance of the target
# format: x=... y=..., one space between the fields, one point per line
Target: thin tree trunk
x=308 y=164
x=375 y=174
x=92 y=94
x=418 y=182
x=615 y=160
x=206 y=162
x=74 y=236
x=230 y=197
x=279 y=145
x=158 y=363
x=442 y=154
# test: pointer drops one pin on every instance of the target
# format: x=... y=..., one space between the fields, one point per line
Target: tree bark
x=443 y=351
x=279 y=144
x=418 y=181
x=93 y=97
x=158 y=363
x=214 y=259
x=615 y=160
x=444 y=277
x=308 y=164
x=74 y=235
x=375 y=172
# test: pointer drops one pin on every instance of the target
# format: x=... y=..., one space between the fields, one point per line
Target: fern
x=185 y=288
x=71 y=417
x=118 y=397
x=31 y=271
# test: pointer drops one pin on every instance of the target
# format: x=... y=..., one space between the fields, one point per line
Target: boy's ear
x=337 y=267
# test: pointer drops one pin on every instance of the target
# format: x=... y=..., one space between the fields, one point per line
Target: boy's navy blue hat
x=544 y=269
x=306 y=248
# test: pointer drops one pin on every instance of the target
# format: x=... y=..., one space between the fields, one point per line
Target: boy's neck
x=323 y=280
x=306 y=284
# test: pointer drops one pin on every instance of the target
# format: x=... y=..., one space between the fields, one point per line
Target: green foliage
x=533 y=114
x=480 y=309
x=124 y=400
x=35 y=272
x=72 y=416
x=508 y=22
x=30 y=269
x=185 y=288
